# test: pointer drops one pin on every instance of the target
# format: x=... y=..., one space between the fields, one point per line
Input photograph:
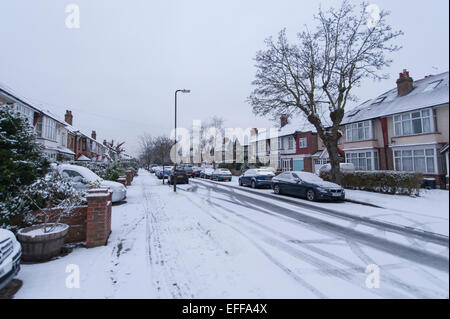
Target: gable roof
x=428 y=92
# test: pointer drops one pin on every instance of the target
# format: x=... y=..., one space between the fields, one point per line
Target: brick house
x=294 y=146
x=82 y=144
x=404 y=129
x=50 y=131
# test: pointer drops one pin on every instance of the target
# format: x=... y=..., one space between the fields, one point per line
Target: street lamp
x=175 y=166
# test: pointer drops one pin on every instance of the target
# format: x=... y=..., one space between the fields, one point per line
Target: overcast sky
x=118 y=71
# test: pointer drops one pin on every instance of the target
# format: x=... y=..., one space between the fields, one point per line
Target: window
x=303 y=142
x=280 y=143
x=415 y=160
x=359 y=131
x=432 y=85
x=25 y=111
x=49 y=129
x=379 y=100
x=291 y=142
x=413 y=123
x=286 y=164
x=363 y=160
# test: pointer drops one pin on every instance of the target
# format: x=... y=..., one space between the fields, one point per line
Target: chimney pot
x=284 y=120
x=68 y=117
x=404 y=83
x=94 y=135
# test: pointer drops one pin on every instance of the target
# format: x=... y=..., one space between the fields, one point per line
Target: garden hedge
x=389 y=182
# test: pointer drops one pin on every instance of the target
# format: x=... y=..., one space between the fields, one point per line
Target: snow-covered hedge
x=51 y=191
x=389 y=182
x=110 y=171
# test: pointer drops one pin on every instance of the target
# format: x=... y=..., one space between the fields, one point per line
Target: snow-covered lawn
x=429 y=211
x=204 y=242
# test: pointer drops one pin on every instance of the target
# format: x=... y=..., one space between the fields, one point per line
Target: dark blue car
x=256 y=178
x=307 y=185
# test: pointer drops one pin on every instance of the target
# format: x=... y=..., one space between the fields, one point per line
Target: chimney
x=284 y=120
x=104 y=142
x=404 y=83
x=94 y=135
x=68 y=117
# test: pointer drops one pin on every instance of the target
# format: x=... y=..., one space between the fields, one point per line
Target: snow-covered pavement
x=209 y=241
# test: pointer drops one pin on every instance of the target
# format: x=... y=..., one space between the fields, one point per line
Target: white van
x=345 y=168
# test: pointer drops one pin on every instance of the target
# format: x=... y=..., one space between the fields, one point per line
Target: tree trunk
x=333 y=153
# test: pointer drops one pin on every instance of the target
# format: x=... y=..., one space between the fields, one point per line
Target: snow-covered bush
x=389 y=182
x=110 y=171
x=50 y=192
x=21 y=163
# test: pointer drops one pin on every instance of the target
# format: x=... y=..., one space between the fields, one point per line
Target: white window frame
x=365 y=160
x=280 y=143
x=401 y=120
x=365 y=129
x=49 y=128
x=286 y=164
x=290 y=142
x=303 y=142
x=402 y=152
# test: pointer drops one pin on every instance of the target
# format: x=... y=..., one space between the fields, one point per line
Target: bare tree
x=162 y=146
x=116 y=147
x=146 y=155
x=315 y=76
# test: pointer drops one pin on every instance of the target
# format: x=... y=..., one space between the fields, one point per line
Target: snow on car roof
x=85 y=172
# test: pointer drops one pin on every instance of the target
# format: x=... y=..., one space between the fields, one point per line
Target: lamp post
x=176 y=151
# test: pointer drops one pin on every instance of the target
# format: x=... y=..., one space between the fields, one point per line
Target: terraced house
x=50 y=131
x=294 y=146
x=404 y=129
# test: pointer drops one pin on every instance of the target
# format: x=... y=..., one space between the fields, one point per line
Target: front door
x=299 y=165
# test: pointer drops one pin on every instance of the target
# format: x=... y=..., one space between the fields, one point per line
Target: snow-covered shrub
x=389 y=182
x=21 y=163
x=50 y=192
x=110 y=171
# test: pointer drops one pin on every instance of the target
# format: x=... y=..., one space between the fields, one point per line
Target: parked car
x=178 y=175
x=221 y=174
x=188 y=170
x=152 y=168
x=256 y=178
x=307 y=185
x=164 y=172
x=206 y=173
x=10 y=253
x=82 y=176
x=196 y=171
x=345 y=168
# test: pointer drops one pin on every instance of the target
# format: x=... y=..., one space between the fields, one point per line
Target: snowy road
x=209 y=241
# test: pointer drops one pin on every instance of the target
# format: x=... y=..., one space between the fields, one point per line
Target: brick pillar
x=122 y=180
x=98 y=219
x=129 y=175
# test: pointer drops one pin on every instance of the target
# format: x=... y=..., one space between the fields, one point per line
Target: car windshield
x=264 y=172
x=307 y=177
x=85 y=172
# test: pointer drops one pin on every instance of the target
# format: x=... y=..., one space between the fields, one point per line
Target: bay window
x=290 y=142
x=415 y=160
x=363 y=160
x=359 y=131
x=416 y=122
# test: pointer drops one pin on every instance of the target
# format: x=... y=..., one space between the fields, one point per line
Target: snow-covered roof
x=296 y=126
x=428 y=92
x=83 y=158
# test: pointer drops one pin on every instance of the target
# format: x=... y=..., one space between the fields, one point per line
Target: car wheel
x=253 y=184
x=310 y=195
x=277 y=189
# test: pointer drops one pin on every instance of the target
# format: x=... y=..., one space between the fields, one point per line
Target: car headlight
x=322 y=190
